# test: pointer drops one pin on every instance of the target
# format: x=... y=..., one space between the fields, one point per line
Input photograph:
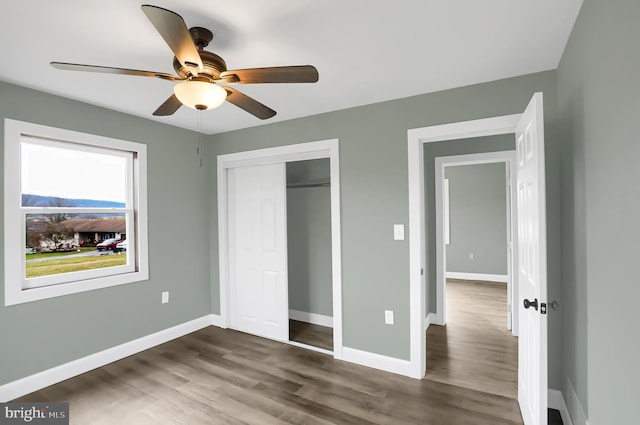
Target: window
x=75 y=212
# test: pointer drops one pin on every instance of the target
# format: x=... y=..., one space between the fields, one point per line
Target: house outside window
x=70 y=198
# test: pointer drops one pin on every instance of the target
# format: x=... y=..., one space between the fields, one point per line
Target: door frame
x=416 y=138
x=441 y=163
x=283 y=154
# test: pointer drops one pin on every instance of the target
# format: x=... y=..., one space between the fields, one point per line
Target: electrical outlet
x=388 y=317
x=165 y=297
x=471 y=256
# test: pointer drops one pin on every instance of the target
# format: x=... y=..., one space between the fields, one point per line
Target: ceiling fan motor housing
x=213 y=64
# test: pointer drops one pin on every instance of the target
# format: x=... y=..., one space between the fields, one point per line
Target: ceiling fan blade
x=110 y=70
x=249 y=104
x=172 y=28
x=169 y=107
x=277 y=74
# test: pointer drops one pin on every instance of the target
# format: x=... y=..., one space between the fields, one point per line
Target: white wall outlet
x=165 y=297
x=471 y=256
x=388 y=317
x=398 y=232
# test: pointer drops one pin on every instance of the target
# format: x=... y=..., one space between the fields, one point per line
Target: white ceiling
x=365 y=51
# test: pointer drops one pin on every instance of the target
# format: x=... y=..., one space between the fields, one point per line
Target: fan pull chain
x=198 y=137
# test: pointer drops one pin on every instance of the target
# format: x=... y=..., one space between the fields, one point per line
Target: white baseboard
x=429 y=320
x=555 y=400
x=477 y=276
x=37 y=381
x=574 y=406
x=377 y=361
x=313 y=318
x=216 y=320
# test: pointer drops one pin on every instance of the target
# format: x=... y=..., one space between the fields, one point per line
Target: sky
x=74 y=174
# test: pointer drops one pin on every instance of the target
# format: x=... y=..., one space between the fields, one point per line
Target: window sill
x=13 y=297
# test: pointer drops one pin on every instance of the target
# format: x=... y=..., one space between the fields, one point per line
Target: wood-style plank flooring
x=310 y=334
x=218 y=376
x=475 y=349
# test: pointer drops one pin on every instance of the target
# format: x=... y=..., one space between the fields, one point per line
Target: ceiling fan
x=202 y=75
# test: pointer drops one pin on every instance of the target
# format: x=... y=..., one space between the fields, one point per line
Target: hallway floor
x=475 y=350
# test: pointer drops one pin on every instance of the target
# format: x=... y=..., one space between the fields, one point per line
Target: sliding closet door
x=258 y=250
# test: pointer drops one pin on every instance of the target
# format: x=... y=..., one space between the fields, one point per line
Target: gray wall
x=374 y=196
x=42 y=334
x=309 y=238
x=477 y=218
x=599 y=104
x=503 y=142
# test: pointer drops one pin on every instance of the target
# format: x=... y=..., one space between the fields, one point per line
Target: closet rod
x=298 y=185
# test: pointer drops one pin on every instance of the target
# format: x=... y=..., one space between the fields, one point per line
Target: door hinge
x=543 y=308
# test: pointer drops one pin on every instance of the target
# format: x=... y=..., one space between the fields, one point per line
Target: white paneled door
x=258 y=250
x=532 y=265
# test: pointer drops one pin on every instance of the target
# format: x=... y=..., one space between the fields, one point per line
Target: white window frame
x=19 y=289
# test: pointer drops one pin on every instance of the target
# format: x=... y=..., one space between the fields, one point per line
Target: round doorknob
x=533 y=303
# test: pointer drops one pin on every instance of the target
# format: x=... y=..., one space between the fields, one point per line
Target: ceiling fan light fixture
x=200 y=94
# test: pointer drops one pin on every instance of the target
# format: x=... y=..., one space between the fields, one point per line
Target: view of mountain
x=51 y=201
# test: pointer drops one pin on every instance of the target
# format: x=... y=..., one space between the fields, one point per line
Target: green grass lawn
x=68 y=265
x=56 y=254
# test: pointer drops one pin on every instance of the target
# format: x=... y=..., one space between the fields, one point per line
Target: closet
x=309 y=253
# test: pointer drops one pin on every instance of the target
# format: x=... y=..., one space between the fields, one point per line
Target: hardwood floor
x=475 y=349
x=218 y=376
x=309 y=334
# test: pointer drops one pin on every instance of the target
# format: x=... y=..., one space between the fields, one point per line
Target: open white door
x=532 y=265
x=258 y=250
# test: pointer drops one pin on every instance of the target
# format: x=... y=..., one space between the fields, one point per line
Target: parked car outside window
x=108 y=245
x=122 y=246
